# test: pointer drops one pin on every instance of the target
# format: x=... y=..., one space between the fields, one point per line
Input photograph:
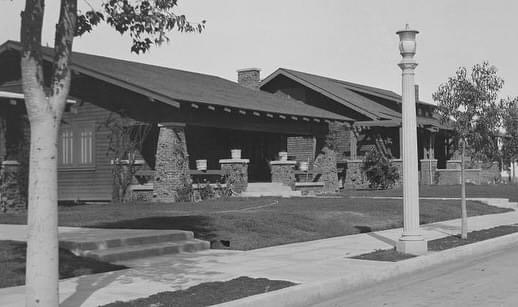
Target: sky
x=349 y=40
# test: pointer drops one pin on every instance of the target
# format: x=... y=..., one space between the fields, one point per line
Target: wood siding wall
x=93 y=183
x=301 y=148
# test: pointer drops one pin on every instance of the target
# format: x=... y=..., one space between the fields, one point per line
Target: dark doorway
x=214 y=144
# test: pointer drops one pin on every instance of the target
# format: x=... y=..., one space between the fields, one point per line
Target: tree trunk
x=464 y=215
x=45 y=115
x=42 y=244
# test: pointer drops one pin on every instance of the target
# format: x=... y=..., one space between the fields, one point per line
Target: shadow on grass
x=202 y=226
x=12 y=264
x=363 y=229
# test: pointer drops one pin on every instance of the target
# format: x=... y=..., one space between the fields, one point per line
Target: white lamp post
x=411 y=242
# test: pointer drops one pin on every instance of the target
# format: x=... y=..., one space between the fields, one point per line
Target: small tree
x=147 y=22
x=467 y=102
x=125 y=142
x=510 y=124
x=380 y=171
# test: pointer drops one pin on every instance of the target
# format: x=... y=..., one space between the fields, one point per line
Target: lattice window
x=77 y=146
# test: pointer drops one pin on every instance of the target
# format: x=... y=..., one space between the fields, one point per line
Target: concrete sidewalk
x=305 y=262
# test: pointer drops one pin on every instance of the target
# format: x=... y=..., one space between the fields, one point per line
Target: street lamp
x=411 y=241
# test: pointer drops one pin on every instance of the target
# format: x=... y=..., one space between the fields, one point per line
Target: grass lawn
x=12 y=264
x=442 y=243
x=451 y=191
x=209 y=293
x=261 y=222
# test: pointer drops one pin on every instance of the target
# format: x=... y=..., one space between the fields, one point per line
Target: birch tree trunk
x=42 y=242
x=45 y=110
x=464 y=215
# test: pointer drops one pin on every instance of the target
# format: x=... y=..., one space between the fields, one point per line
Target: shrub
x=379 y=170
x=207 y=192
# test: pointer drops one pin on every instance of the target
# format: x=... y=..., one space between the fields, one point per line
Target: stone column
x=325 y=163
x=284 y=172
x=353 y=174
x=398 y=164
x=453 y=164
x=411 y=242
x=11 y=197
x=172 y=163
x=353 y=144
x=236 y=173
x=428 y=169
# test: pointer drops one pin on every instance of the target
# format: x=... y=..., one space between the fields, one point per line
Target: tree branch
x=65 y=30
x=31 y=59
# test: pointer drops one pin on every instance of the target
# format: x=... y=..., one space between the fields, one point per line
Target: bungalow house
x=376 y=113
x=193 y=116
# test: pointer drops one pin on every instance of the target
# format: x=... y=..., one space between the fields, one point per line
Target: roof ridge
x=342 y=81
x=379 y=110
x=81 y=53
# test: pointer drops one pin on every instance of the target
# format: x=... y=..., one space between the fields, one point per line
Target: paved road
x=491 y=280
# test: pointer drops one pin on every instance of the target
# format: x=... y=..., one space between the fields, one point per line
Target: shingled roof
x=347 y=93
x=175 y=86
x=355 y=96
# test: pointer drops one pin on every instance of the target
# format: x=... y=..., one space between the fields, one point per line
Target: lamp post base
x=414 y=245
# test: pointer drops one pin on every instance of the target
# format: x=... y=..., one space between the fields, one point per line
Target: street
x=490 y=280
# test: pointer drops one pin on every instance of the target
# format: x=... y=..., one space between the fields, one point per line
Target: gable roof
x=173 y=86
x=14 y=90
x=346 y=93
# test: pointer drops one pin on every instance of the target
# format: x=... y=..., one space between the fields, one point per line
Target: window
x=76 y=146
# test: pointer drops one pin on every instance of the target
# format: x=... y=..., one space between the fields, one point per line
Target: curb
x=312 y=293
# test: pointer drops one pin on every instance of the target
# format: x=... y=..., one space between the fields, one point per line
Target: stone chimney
x=249 y=77
x=416 y=87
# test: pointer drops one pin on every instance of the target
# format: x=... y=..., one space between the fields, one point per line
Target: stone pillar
x=325 y=163
x=453 y=164
x=235 y=172
x=354 y=174
x=398 y=164
x=172 y=163
x=411 y=241
x=283 y=172
x=428 y=169
x=353 y=144
x=11 y=197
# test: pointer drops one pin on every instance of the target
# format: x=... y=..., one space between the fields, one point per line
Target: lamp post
x=411 y=241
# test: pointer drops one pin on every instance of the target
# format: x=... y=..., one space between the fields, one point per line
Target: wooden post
x=3 y=139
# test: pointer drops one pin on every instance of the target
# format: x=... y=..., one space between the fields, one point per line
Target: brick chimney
x=249 y=77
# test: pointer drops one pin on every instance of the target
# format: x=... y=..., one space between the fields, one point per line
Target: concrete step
x=146 y=250
x=121 y=238
x=267 y=187
x=289 y=193
x=265 y=184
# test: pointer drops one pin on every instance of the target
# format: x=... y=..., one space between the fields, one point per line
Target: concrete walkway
x=305 y=262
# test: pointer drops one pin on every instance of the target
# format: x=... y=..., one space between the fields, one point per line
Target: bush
x=379 y=170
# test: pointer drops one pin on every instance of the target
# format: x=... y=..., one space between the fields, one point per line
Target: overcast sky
x=349 y=40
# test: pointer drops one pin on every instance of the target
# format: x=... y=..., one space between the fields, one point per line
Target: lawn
x=442 y=243
x=12 y=264
x=451 y=191
x=261 y=222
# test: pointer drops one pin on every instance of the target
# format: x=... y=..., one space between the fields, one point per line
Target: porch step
x=124 y=244
x=259 y=189
x=147 y=250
